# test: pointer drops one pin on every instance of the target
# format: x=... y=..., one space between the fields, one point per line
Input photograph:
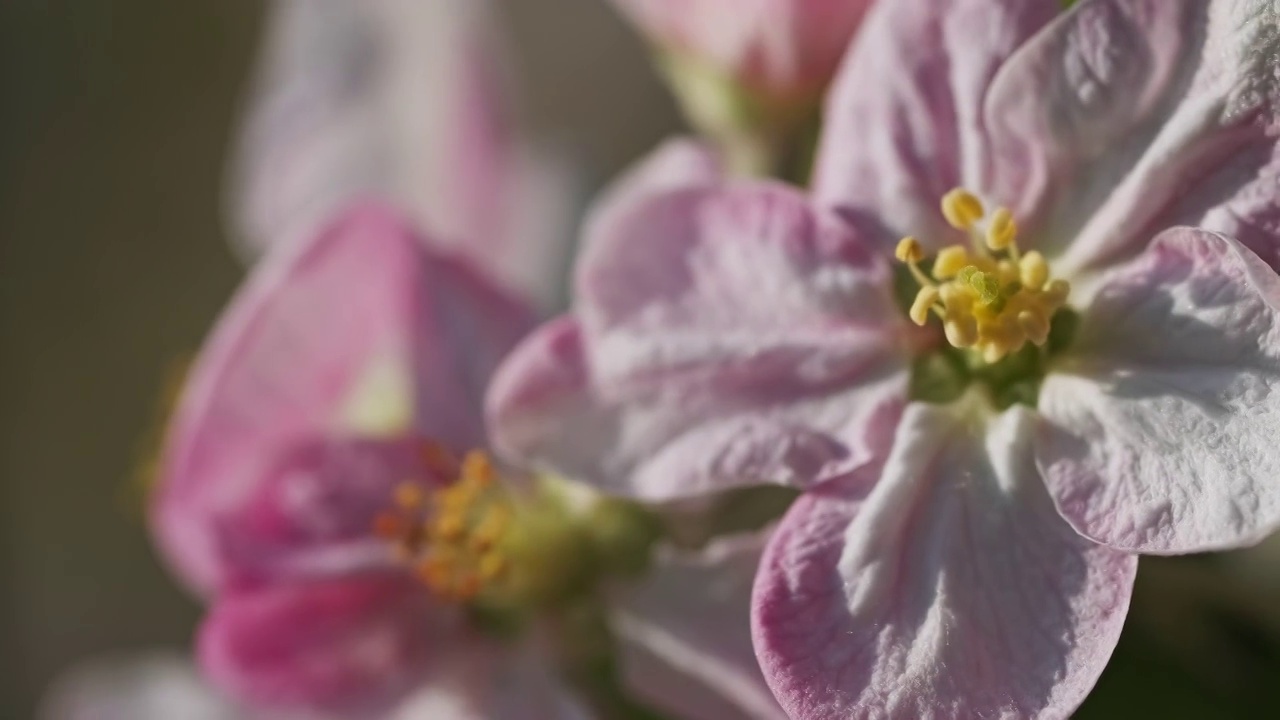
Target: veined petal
x=726 y=336
x=945 y=586
x=1127 y=117
x=904 y=123
x=685 y=633
x=404 y=100
x=354 y=645
x=1160 y=436
x=358 y=333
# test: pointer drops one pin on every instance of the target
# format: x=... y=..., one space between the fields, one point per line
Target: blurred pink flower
x=403 y=100
x=975 y=496
x=345 y=381
x=785 y=50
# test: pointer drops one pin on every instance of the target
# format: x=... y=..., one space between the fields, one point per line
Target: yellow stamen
x=909 y=251
x=492 y=566
x=962 y=209
x=991 y=298
x=1001 y=229
x=925 y=300
x=950 y=261
x=409 y=496
x=1033 y=270
x=455 y=540
x=477 y=469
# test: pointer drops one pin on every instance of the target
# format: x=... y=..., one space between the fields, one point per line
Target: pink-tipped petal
x=1160 y=435
x=786 y=49
x=354 y=646
x=1130 y=116
x=725 y=336
x=904 y=122
x=685 y=633
x=404 y=100
x=358 y=332
x=944 y=587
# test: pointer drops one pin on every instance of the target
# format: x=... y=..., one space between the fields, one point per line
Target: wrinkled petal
x=497 y=684
x=155 y=686
x=400 y=99
x=727 y=336
x=1162 y=435
x=358 y=333
x=350 y=646
x=685 y=634
x=784 y=48
x=945 y=586
x=904 y=122
x=1132 y=115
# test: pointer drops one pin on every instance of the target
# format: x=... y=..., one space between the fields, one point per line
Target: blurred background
x=115 y=121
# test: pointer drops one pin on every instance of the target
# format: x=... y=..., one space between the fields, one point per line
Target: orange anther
x=409 y=496
x=467 y=587
x=477 y=469
x=493 y=565
x=449 y=528
x=390 y=526
x=438 y=458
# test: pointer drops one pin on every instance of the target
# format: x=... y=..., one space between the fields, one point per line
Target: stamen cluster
x=454 y=535
x=990 y=296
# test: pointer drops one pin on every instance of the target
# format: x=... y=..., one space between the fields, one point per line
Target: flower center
x=990 y=296
x=999 y=307
x=456 y=537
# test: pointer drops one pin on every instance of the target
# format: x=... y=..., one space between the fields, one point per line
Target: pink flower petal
x=279 y=374
x=355 y=645
x=1161 y=436
x=497 y=683
x=404 y=100
x=685 y=634
x=904 y=122
x=1129 y=115
x=786 y=48
x=677 y=163
x=946 y=586
x=728 y=336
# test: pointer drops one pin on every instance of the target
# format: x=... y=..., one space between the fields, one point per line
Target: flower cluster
x=1019 y=327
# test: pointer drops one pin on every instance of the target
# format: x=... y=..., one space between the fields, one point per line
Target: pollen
x=452 y=534
x=990 y=297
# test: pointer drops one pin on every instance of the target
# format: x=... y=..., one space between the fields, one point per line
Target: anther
x=1056 y=293
x=390 y=526
x=961 y=209
x=438 y=459
x=409 y=496
x=909 y=250
x=1034 y=270
x=950 y=261
x=449 y=528
x=961 y=331
x=1001 y=230
x=477 y=469
x=924 y=301
x=492 y=566
x=1035 y=325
